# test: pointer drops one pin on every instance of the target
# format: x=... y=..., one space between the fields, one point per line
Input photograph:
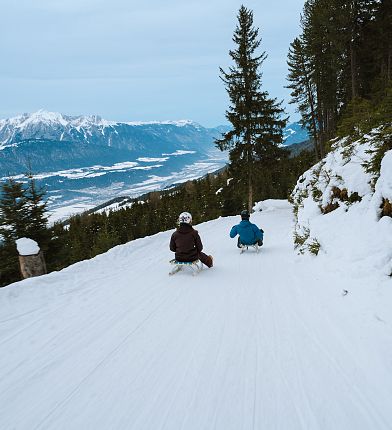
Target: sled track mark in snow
x=106 y=358
x=205 y=322
x=365 y=403
x=255 y=385
x=15 y=317
x=302 y=310
x=49 y=311
x=52 y=312
x=258 y=342
x=277 y=334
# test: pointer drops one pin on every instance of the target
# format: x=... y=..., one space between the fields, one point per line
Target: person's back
x=185 y=242
x=249 y=234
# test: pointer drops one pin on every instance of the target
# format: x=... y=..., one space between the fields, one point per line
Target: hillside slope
x=343 y=203
x=258 y=342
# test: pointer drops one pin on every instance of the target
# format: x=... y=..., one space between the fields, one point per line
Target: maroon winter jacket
x=186 y=243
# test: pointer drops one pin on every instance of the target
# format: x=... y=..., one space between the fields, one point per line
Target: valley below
x=84 y=161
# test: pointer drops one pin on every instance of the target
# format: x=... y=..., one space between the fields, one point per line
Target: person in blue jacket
x=249 y=234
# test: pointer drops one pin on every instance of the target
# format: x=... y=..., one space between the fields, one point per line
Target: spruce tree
x=14 y=214
x=22 y=214
x=13 y=225
x=340 y=64
x=323 y=49
x=36 y=228
x=255 y=117
x=303 y=90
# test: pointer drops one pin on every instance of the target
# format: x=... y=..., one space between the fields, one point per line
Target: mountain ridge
x=91 y=160
x=57 y=126
x=91 y=128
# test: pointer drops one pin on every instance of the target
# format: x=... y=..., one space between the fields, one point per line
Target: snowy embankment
x=344 y=211
x=260 y=341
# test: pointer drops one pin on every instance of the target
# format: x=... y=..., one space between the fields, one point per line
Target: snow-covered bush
x=381 y=143
x=343 y=204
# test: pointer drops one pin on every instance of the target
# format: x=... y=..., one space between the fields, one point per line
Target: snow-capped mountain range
x=90 y=160
x=83 y=161
x=94 y=129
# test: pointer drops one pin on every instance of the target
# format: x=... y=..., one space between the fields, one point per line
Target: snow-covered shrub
x=314 y=246
x=343 y=204
x=381 y=143
x=300 y=238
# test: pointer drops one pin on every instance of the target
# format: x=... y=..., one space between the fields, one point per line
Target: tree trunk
x=353 y=34
x=353 y=66
x=321 y=132
x=312 y=107
x=249 y=162
x=32 y=265
x=250 y=194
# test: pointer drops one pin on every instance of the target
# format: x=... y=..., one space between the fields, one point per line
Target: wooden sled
x=194 y=266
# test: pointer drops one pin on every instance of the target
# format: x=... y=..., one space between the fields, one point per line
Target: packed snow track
x=260 y=341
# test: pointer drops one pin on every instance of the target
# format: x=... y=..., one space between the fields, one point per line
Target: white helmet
x=185 y=217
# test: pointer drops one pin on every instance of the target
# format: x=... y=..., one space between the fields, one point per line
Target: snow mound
x=338 y=207
x=384 y=184
x=27 y=246
x=271 y=205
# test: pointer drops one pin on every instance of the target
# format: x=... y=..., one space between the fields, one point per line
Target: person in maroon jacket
x=186 y=242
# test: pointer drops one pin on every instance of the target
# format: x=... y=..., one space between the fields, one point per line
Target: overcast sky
x=133 y=60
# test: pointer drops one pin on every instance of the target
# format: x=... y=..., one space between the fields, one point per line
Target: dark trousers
x=259 y=242
x=205 y=259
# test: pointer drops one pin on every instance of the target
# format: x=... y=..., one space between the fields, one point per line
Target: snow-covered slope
x=344 y=209
x=260 y=341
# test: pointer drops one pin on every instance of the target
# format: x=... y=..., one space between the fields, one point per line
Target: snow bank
x=27 y=246
x=384 y=183
x=338 y=207
x=270 y=205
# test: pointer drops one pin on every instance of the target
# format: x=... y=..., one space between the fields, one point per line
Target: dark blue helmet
x=245 y=214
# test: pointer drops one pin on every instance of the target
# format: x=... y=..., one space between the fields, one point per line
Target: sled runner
x=195 y=266
x=244 y=248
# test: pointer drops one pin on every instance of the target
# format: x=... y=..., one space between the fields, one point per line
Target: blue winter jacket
x=249 y=233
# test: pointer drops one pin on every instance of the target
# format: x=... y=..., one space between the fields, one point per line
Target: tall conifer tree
x=255 y=117
x=22 y=214
x=13 y=223
x=37 y=208
x=14 y=214
x=303 y=90
x=344 y=55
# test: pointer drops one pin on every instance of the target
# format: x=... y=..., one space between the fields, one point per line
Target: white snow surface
x=384 y=183
x=26 y=246
x=270 y=205
x=352 y=232
x=260 y=341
